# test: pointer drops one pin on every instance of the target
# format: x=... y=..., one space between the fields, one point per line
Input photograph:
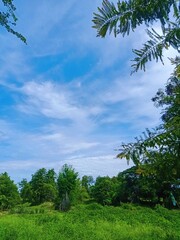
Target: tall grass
x=93 y=222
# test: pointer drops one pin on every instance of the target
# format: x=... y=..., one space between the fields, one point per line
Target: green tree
x=8 y=18
x=87 y=182
x=43 y=184
x=128 y=188
x=136 y=187
x=68 y=184
x=128 y=15
x=85 y=188
x=104 y=190
x=9 y=195
x=26 y=191
x=157 y=152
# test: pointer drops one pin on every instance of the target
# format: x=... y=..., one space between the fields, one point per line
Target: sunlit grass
x=93 y=222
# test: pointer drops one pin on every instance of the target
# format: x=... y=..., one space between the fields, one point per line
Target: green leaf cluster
x=128 y=15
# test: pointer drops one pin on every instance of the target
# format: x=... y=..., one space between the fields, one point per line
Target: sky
x=68 y=96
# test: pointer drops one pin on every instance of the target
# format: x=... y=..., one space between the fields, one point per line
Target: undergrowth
x=92 y=222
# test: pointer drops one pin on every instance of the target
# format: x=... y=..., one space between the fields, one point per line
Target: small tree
x=104 y=190
x=68 y=184
x=87 y=182
x=26 y=191
x=9 y=195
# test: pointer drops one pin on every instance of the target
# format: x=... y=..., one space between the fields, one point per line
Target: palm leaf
x=127 y=15
x=153 y=48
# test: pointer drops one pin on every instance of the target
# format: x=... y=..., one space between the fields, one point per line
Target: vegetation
x=95 y=222
x=27 y=214
x=9 y=196
x=66 y=190
x=68 y=187
x=128 y=15
x=156 y=154
x=154 y=181
x=8 y=18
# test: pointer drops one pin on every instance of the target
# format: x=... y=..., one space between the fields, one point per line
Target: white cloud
x=52 y=119
x=131 y=95
x=102 y=165
x=52 y=101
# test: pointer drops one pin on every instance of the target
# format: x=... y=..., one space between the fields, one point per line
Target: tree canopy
x=9 y=196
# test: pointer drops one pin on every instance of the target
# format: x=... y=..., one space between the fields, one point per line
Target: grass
x=93 y=222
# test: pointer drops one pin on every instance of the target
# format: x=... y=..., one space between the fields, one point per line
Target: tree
x=87 y=182
x=68 y=184
x=128 y=188
x=136 y=187
x=9 y=195
x=104 y=190
x=43 y=186
x=157 y=152
x=128 y=15
x=8 y=18
x=26 y=191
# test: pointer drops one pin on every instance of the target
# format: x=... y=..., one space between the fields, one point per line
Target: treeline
x=66 y=189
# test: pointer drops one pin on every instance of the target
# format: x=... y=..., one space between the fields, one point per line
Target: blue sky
x=67 y=96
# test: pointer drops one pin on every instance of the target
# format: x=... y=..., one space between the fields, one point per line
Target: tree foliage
x=46 y=186
x=87 y=182
x=133 y=185
x=42 y=187
x=67 y=179
x=68 y=184
x=128 y=15
x=104 y=190
x=8 y=18
x=157 y=152
x=26 y=191
x=9 y=195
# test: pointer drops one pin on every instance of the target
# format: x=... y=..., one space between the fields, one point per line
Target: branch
x=130 y=14
x=154 y=47
x=8 y=19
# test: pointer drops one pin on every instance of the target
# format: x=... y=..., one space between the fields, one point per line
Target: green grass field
x=93 y=222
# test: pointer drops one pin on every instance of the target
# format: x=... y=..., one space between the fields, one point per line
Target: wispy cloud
x=103 y=165
x=68 y=96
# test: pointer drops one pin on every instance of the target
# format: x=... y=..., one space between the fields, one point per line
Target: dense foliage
x=9 y=196
x=66 y=189
x=93 y=222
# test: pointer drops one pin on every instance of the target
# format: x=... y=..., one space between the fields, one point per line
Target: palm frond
x=108 y=18
x=153 y=48
x=127 y=15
